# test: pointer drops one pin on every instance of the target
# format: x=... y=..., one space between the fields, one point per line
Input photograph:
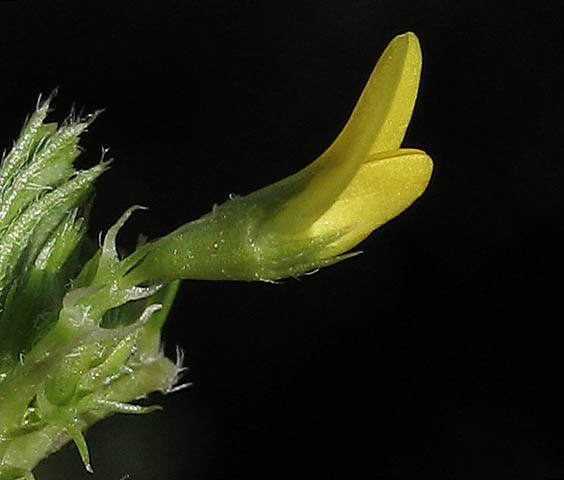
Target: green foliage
x=75 y=345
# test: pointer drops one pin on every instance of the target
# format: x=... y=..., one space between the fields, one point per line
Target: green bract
x=80 y=325
x=74 y=346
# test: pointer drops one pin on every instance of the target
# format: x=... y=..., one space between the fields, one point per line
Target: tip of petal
x=409 y=35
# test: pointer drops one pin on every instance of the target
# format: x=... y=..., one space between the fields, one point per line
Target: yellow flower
x=363 y=179
x=313 y=217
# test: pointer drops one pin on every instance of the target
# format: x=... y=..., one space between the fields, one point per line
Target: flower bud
x=312 y=218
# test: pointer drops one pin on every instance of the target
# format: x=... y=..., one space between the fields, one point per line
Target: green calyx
x=229 y=244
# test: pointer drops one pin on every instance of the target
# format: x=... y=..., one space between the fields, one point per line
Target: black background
x=435 y=355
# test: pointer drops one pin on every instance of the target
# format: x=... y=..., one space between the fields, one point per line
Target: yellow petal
x=383 y=188
x=377 y=123
x=397 y=107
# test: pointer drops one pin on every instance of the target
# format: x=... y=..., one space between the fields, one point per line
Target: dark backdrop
x=435 y=355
